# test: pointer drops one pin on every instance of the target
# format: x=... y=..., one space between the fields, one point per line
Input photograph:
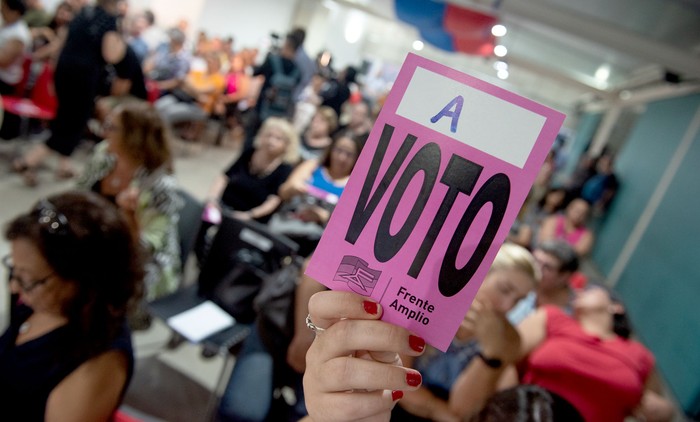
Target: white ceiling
x=555 y=47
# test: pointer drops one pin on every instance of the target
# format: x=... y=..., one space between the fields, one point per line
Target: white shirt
x=13 y=73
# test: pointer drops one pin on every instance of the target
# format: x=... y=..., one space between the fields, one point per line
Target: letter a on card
x=440 y=181
x=447 y=111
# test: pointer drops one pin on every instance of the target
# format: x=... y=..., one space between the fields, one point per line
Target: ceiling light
x=603 y=73
x=499 y=30
x=500 y=50
x=500 y=65
x=502 y=74
x=418 y=45
x=354 y=27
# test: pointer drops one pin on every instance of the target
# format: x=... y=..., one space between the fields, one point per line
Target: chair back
x=44 y=93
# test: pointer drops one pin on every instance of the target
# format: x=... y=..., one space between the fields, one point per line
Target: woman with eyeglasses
x=312 y=190
x=132 y=168
x=67 y=353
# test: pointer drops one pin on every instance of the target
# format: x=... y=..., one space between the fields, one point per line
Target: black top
x=335 y=94
x=244 y=190
x=267 y=69
x=30 y=371
x=84 y=42
x=129 y=68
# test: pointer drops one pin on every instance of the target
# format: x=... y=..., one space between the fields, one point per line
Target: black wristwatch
x=494 y=363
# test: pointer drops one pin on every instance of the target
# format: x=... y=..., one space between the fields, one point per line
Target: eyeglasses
x=346 y=153
x=50 y=219
x=26 y=286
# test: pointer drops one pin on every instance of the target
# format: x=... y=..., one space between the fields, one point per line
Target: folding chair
x=39 y=103
x=241 y=255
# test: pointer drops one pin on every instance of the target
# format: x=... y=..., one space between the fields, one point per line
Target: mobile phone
x=211 y=214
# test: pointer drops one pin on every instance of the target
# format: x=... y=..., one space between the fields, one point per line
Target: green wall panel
x=661 y=283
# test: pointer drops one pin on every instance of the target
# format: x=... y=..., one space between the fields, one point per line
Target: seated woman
x=513 y=274
x=132 y=168
x=312 y=191
x=48 y=40
x=570 y=227
x=618 y=385
x=317 y=135
x=67 y=353
x=248 y=189
x=230 y=105
x=588 y=359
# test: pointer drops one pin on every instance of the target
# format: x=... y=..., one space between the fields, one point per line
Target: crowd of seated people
x=307 y=131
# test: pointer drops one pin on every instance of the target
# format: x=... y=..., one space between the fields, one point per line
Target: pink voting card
x=432 y=197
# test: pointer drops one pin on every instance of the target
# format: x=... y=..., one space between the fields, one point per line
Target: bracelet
x=494 y=363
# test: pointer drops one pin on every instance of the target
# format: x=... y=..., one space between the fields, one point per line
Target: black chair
x=241 y=255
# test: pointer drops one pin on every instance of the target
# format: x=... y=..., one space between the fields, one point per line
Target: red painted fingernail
x=416 y=343
x=396 y=395
x=413 y=379
x=370 y=307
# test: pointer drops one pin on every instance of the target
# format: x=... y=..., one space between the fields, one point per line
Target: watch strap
x=494 y=363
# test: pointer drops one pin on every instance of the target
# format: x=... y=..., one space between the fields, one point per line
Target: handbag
x=274 y=303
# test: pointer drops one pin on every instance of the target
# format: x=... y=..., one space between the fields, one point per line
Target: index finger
x=328 y=307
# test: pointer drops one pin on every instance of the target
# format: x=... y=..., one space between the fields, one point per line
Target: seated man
x=170 y=63
x=558 y=262
x=195 y=101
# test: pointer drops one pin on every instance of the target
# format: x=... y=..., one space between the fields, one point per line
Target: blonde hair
x=291 y=155
x=330 y=116
x=517 y=258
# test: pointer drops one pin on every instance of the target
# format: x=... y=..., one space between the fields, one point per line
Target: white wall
x=249 y=22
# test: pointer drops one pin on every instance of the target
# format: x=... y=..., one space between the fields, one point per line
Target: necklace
x=266 y=169
x=26 y=325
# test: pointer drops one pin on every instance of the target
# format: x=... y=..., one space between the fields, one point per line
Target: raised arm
x=584 y=244
x=547 y=229
x=500 y=345
x=303 y=337
x=296 y=183
x=532 y=331
x=353 y=368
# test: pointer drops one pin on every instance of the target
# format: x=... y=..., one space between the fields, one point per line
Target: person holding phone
x=248 y=188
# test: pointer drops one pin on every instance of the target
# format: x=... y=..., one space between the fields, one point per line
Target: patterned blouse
x=157 y=214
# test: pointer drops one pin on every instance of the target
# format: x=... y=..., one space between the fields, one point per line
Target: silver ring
x=313 y=327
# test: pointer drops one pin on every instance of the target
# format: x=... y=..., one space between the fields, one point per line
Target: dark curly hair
x=89 y=244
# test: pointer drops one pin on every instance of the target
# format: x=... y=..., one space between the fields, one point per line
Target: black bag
x=242 y=255
x=275 y=302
